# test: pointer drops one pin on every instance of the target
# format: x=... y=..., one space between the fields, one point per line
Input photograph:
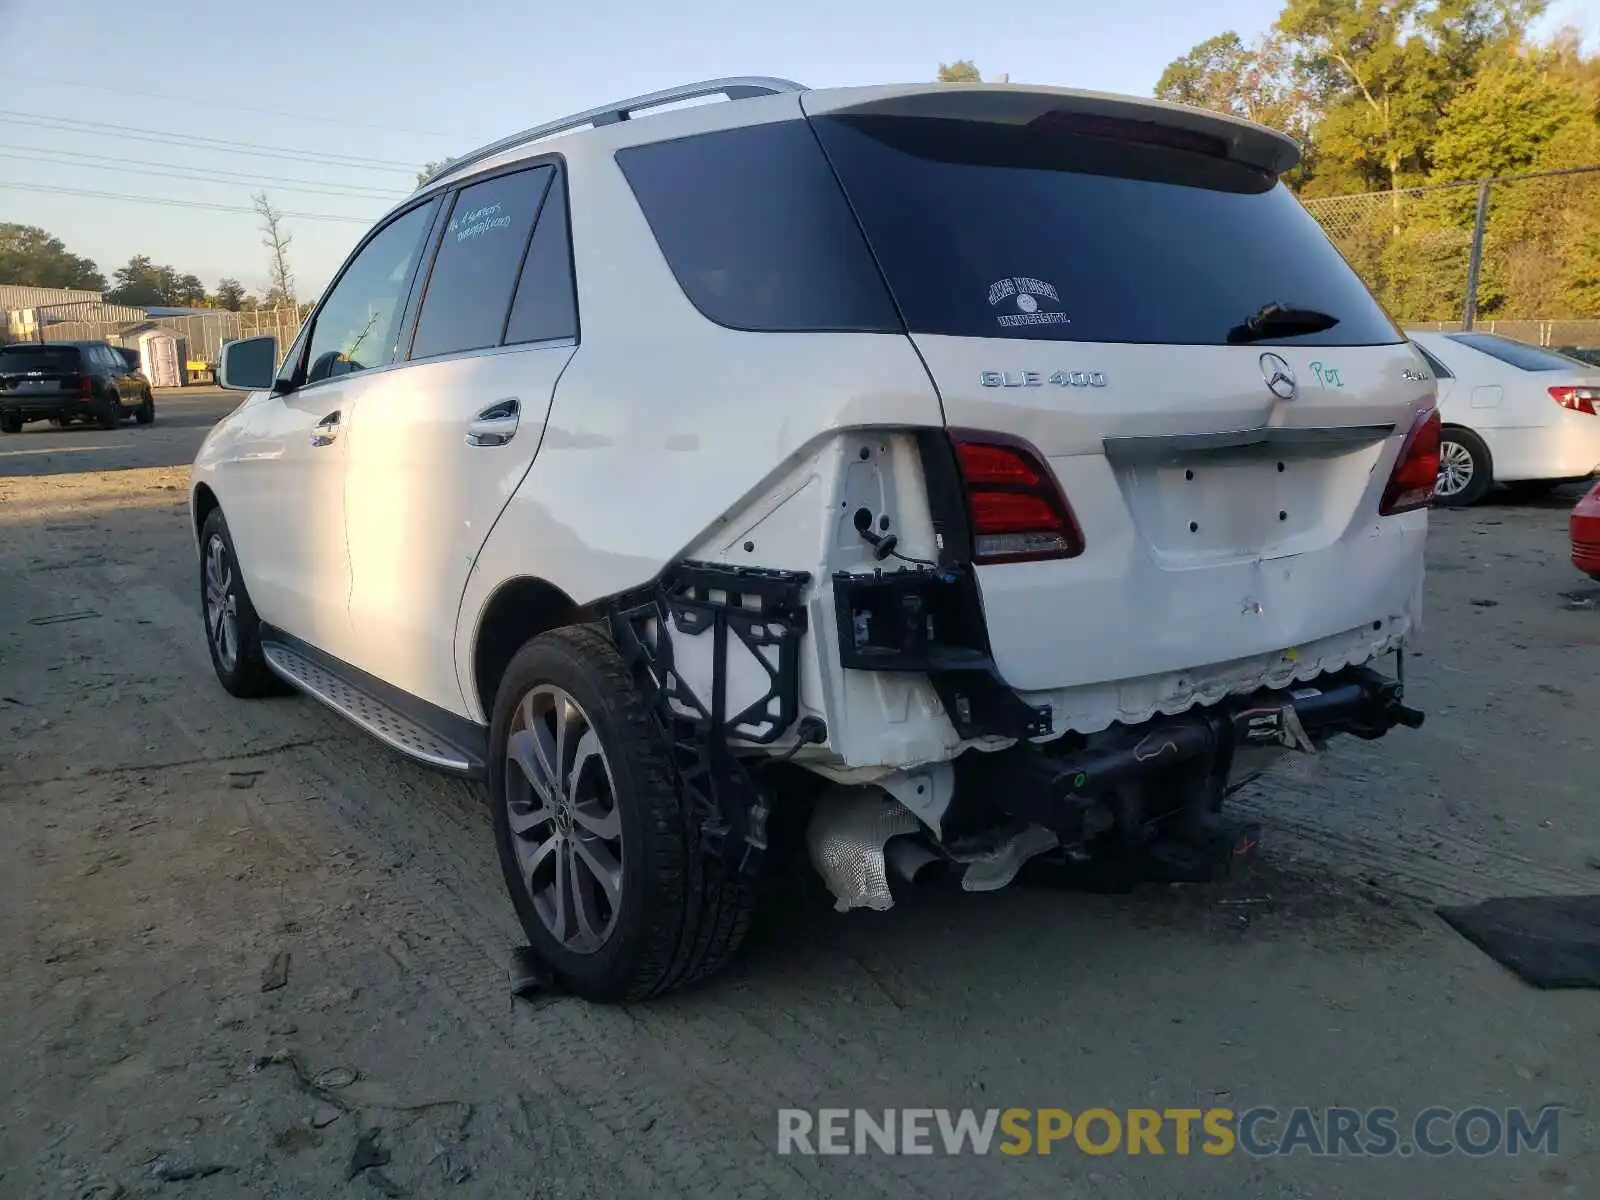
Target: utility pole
x=1469 y=307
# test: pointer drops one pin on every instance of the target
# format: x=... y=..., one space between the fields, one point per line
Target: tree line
x=34 y=257
x=1390 y=99
x=1395 y=96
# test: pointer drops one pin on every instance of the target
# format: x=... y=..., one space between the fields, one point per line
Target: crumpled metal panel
x=846 y=837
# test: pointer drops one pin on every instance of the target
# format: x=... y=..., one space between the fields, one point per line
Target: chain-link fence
x=205 y=333
x=1531 y=242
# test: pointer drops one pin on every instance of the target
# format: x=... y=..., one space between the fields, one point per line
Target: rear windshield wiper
x=1279 y=320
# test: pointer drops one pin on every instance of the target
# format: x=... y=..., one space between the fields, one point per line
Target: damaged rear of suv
x=942 y=476
x=1174 y=507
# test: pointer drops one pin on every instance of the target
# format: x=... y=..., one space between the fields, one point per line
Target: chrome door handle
x=325 y=430
x=495 y=425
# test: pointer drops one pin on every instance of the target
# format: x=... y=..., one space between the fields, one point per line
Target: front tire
x=1466 y=469
x=10 y=423
x=145 y=414
x=599 y=850
x=233 y=631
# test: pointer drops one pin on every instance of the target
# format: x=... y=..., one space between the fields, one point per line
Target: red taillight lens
x=1417 y=471
x=1578 y=399
x=86 y=386
x=1015 y=508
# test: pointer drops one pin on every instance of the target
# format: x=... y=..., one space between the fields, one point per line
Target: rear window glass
x=1518 y=354
x=469 y=292
x=39 y=358
x=986 y=229
x=756 y=231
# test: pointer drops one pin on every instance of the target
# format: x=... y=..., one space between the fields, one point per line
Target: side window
x=546 y=303
x=758 y=233
x=356 y=326
x=1440 y=371
x=469 y=291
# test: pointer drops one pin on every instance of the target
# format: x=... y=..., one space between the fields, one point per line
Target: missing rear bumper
x=1072 y=790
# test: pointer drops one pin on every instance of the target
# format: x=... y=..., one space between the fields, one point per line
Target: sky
x=343 y=100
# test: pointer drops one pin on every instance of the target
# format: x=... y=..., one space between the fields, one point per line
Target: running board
x=318 y=678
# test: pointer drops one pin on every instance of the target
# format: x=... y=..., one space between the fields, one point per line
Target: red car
x=1586 y=534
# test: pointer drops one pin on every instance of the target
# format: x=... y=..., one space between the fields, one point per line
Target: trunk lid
x=1130 y=290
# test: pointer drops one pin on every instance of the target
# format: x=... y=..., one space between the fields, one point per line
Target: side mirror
x=249 y=364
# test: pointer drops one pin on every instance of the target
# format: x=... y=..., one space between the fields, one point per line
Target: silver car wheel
x=1455 y=468
x=222 y=606
x=562 y=807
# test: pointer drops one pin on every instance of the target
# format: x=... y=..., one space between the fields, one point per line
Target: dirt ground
x=240 y=936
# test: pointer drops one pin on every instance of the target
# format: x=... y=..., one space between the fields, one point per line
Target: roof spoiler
x=1093 y=113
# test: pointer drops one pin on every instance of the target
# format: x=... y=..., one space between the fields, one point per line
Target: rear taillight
x=1417 y=471
x=1014 y=506
x=1578 y=399
x=86 y=386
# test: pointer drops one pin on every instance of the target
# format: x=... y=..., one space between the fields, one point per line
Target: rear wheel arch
x=519 y=610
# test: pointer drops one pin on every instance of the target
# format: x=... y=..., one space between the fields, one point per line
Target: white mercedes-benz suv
x=937 y=476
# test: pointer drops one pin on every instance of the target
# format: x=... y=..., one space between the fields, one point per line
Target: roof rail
x=740 y=87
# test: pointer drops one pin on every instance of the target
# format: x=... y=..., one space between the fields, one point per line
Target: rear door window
x=756 y=231
x=546 y=304
x=469 y=291
x=1518 y=354
x=1035 y=230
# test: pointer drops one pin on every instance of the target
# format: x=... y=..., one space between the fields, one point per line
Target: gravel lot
x=172 y=851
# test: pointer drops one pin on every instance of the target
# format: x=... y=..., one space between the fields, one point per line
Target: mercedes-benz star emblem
x=1279 y=376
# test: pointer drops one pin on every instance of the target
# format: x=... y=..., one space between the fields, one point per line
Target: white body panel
x=420 y=502
x=1193 y=559
x=1529 y=435
x=670 y=437
x=285 y=507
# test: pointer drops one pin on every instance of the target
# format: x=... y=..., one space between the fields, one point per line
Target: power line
x=210 y=104
x=175 y=203
x=193 y=141
x=135 y=166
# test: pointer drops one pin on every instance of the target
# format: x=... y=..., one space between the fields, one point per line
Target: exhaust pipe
x=846 y=838
x=913 y=862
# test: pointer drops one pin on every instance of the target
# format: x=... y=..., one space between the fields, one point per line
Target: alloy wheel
x=561 y=802
x=1455 y=468
x=222 y=606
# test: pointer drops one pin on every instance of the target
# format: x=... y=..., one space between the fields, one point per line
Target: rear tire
x=233 y=631
x=672 y=914
x=1466 y=469
x=10 y=423
x=145 y=414
x=110 y=412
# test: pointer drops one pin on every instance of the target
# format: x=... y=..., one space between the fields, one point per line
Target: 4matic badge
x=1019 y=300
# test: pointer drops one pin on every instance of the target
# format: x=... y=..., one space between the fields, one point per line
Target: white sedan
x=1513 y=413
